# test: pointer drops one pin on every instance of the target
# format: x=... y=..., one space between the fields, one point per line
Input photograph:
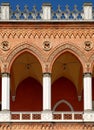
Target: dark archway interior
x=28 y=96
x=64 y=89
x=26 y=83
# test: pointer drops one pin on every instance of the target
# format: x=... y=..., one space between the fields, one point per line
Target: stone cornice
x=46 y=24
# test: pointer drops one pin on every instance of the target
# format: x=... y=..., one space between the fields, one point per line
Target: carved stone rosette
x=5 y=45
x=46 y=45
x=88 y=45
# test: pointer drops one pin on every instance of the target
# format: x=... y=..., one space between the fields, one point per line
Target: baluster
x=67 y=13
x=58 y=13
x=26 y=12
x=34 y=13
x=17 y=12
x=75 y=13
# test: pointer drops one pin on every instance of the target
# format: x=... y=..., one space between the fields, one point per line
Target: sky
x=54 y=3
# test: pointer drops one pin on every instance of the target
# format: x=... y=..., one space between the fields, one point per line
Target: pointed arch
x=66 y=48
x=24 y=47
x=63 y=101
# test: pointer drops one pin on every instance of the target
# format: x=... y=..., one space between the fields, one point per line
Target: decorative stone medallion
x=88 y=116
x=46 y=45
x=5 y=45
x=46 y=115
x=88 y=45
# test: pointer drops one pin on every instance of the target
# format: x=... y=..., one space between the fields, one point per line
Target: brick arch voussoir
x=18 y=50
x=67 y=48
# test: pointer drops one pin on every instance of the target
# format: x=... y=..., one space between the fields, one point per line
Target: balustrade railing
x=38 y=117
x=47 y=13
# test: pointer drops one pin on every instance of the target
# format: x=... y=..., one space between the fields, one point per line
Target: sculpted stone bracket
x=4 y=68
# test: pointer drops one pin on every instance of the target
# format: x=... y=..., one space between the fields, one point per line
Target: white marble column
x=46 y=91
x=5 y=91
x=87 y=91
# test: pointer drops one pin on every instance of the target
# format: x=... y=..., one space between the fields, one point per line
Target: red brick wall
x=28 y=96
x=64 y=89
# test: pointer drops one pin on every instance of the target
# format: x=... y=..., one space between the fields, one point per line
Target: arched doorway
x=67 y=82
x=26 y=80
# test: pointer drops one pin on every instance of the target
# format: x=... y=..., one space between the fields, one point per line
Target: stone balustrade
x=41 y=116
x=46 y=13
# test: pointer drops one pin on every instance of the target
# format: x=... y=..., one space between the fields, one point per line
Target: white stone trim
x=46 y=91
x=5 y=116
x=5 y=91
x=46 y=7
x=63 y=101
x=87 y=83
x=88 y=13
x=5 y=8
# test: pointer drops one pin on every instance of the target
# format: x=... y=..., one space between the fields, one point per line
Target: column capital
x=46 y=74
x=5 y=74
x=87 y=74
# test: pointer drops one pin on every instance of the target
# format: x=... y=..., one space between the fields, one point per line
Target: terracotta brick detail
x=57 y=116
x=47 y=126
x=78 y=116
x=67 y=116
x=15 y=116
x=26 y=116
x=36 y=116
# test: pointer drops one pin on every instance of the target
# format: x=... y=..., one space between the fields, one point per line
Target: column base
x=88 y=116
x=46 y=115
x=5 y=116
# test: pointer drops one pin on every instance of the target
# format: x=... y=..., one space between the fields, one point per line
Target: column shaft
x=5 y=91
x=46 y=91
x=87 y=91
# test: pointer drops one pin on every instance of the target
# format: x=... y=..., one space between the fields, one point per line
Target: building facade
x=47 y=68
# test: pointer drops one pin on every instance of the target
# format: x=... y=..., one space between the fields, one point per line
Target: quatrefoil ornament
x=88 y=45
x=5 y=45
x=46 y=45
